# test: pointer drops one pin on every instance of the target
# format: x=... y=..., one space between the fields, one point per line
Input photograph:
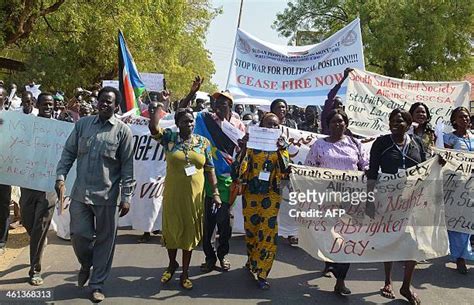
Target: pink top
x=345 y=154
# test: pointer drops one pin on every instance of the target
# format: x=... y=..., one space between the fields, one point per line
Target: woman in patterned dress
x=261 y=172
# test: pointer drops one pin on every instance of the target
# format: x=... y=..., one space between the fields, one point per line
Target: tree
x=76 y=45
x=425 y=40
x=19 y=17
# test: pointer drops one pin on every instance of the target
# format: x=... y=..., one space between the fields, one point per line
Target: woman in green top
x=188 y=157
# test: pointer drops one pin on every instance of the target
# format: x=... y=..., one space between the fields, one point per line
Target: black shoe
x=146 y=237
x=208 y=267
x=97 y=296
x=83 y=276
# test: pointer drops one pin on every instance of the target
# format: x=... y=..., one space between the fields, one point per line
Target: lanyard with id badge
x=189 y=169
x=403 y=151
x=264 y=175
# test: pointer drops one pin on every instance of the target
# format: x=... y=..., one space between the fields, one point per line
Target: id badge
x=190 y=170
x=264 y=176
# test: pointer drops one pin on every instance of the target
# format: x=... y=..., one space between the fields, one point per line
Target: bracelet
x=216 y=193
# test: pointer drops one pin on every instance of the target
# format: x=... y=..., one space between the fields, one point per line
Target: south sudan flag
x=130 y=84
x=222 y=149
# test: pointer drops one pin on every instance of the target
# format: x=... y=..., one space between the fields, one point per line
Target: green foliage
x=77 y=44
x=425 y=40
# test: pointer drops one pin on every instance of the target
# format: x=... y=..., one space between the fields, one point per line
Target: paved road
x=295 y=278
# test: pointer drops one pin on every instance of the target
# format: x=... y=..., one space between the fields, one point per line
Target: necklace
x=186 y=147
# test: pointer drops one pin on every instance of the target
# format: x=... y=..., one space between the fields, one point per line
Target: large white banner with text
x=371 y=97
x=409 y=222
x=302 y=75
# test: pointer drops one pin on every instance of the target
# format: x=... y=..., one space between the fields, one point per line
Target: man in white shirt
x=27 y=103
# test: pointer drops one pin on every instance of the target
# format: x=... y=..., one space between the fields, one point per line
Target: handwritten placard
x=371 y=97
x=458 y=189
x=30 y=148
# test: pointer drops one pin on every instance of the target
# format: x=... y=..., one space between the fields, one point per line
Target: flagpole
x=240 y=13
x=235 y=42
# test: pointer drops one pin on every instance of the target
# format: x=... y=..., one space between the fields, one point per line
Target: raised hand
x=197 y=84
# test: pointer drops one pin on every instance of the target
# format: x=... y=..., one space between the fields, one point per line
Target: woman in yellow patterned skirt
x=260 y=173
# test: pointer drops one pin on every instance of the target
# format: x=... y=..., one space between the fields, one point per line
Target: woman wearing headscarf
x=342 y=152
x=391 y=153
x=188 y=158
x=260 y=173
x=462 y=139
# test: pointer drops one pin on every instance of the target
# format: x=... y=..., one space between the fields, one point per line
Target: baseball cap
x=224 y=94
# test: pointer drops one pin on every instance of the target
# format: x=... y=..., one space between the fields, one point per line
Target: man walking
x=36 y=209
x=102 y=145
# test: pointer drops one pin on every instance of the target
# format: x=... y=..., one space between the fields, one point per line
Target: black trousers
x=338 y=269
x=36 y=215
x=222 y=220
x=5 y=199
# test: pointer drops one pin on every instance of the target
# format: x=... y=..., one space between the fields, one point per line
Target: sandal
x=293 y=240
x=168 y=274
x=36 y=280
x=186 y=283
x=387 y=292
x=225 y=264
x=412 y=298
x=263 y=284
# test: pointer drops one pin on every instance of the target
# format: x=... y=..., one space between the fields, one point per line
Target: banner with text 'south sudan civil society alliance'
x=302 y=75
x=371 y=97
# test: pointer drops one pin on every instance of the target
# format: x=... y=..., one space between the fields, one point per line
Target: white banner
x=371 y=97
x=149 y=167
x=302 y=75
x=409 y=223
x=458 y=188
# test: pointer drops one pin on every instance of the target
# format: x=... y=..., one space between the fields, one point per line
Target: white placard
x=152 y=81
x=233 y=133
x=111 y=83
x=263 y=138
